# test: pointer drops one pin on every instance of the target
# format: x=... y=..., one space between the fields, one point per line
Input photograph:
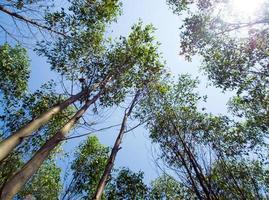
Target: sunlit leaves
x=87 y=168
x=127 y=185
x=14 y=64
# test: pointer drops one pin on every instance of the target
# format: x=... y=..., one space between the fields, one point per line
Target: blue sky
x=136 y=152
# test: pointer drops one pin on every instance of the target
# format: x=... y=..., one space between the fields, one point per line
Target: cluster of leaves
x=234 y=53
x=46 y=184
x=87 y=169
x=129 y=62
x=166 y=187
x=14 y=64
x=127 y=185
x=240 y=178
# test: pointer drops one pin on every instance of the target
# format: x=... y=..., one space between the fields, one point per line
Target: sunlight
x=246 y=9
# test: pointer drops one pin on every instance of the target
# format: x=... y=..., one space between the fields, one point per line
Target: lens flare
x=246 y=8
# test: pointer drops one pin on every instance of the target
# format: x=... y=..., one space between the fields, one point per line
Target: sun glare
x=246 y=9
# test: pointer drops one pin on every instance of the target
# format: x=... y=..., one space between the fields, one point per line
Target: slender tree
x=110 y=162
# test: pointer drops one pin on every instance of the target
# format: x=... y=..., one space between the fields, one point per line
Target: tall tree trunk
x=7 y=145
x=15 y=183
x=110 y=163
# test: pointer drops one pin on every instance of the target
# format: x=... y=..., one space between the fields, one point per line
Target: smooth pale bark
x=17 y=181
x=110 y=163
x=7 y=145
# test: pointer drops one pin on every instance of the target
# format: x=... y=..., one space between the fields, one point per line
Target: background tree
x=234 y=52
x=166 y=187
x=127 y=185
x=15 y=70
x=87 y=168
x=191 y=140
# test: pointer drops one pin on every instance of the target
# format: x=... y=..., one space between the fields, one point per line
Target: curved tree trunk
x=7 y=145
x=16 y=182
x=110 y=163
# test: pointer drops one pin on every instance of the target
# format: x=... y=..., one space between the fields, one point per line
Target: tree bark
x=15 y=183
x=7 y=145
x=110 y=163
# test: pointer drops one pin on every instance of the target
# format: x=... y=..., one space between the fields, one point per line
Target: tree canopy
x=201 y=155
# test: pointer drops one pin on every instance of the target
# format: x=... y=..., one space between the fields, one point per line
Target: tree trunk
x=15 y=183
x=110 y=163
x=7 y=145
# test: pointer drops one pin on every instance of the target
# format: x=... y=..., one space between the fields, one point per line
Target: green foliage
x=127 y=185
x=45 y=185
x=129 y=62
x=84 y=23
x=234 y=53
x=9 y=166
x=87 y=169
x=240 y=178
x=166 y=187
x=14 y=64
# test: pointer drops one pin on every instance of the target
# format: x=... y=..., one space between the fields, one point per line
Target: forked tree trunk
x=17 y=181
x=7 y=145
x=110 y=163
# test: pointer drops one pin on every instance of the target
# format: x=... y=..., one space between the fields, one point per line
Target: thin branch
x=85 y=134
x=32 y=22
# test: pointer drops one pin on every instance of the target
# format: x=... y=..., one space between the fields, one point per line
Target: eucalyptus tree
x=110 y=161
x=85 y=23
x=233 y=47
x=136 y=57
x=166 y=187
x=87 y=168
x=190 y=139
x=127 y=185
x=240 y=179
